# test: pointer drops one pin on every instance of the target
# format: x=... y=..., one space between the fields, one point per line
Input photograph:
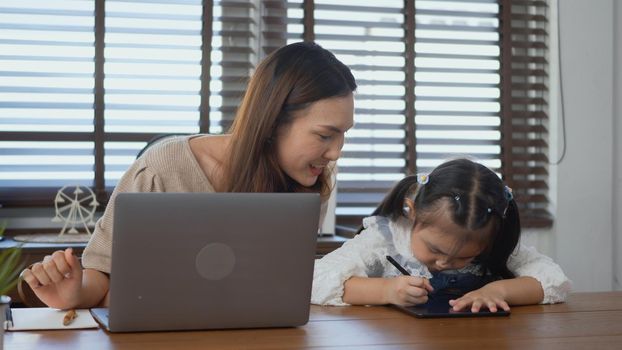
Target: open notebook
x=43 y=318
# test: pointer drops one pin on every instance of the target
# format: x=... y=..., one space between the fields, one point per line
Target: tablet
x=438 y=306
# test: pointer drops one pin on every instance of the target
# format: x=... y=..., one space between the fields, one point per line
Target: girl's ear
x=409 y=208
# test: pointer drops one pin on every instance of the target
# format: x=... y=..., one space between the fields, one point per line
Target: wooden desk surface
x=587 y=320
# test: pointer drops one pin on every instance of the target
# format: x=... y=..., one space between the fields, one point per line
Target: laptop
x=191 y=261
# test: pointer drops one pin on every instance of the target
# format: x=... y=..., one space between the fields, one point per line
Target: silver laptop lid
x=212 y=260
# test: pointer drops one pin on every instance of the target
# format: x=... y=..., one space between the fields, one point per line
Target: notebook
x=189 y=261
x=43 y=318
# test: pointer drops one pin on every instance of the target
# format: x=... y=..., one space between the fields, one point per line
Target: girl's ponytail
x=392 y=206
x=504 y=243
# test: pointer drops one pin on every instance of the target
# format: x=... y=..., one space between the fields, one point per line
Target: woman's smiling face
x=314 y=138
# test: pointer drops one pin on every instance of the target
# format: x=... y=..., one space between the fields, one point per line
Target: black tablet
x=438 y=306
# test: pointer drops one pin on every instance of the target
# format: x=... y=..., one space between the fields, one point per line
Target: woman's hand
x=489 y=297
x=407 y=290
x=57 y=280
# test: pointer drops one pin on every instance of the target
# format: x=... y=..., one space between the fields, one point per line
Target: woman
x=288 y=132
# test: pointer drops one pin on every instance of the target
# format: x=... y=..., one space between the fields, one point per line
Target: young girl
x=454 y=231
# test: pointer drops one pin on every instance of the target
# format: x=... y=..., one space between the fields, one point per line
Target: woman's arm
x=60 y=282
x=95 y=287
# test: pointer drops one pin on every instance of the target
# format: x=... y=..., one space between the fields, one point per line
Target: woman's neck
x=212 y=152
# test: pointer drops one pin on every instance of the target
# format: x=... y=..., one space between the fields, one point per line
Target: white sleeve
x=355 y=258
x=527 y=261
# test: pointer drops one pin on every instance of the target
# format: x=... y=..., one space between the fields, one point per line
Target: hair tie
x=457 y=198
x=423 y=179
x=489 y=210
x=508 y=193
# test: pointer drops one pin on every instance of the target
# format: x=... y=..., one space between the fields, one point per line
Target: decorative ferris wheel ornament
x=75 y=206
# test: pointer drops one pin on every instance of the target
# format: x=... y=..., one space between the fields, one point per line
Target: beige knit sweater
x=168 y=166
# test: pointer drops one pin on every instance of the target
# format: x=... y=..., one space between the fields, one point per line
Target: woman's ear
x=409 y=208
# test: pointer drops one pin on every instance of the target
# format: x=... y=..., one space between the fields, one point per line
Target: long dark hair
x=475 y=195
x=288 y=80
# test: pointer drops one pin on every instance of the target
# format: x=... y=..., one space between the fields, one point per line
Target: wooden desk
x=587 y=320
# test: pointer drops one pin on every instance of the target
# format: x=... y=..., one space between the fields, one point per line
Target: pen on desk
x=69 y=317
x=398 y=266
x=8 y=323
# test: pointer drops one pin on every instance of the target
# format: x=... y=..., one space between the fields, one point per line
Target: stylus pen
x=397 y=266
x=8 y=323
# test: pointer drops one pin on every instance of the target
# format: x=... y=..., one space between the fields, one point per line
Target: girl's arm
x=528 y=262
x=355 y=257
x=539 y=280
x=401 y=290
x=501 y=294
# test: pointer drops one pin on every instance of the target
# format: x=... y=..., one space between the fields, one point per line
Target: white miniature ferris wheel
x=75 y=205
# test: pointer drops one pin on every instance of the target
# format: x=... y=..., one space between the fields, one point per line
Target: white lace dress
x=365 y=256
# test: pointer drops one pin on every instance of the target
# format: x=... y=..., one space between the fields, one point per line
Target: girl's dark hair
x=288 y=80
x=475 y=195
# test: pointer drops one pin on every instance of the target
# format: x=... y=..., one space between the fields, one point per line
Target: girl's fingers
x=504 y=305
x=417 y=292
x=427 y=285
x=492 y=306
x=420 y=282
x=459 y=304
x=476 y=306
x=411 y=300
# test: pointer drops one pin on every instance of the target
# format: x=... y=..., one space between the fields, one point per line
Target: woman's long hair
x=288 y=80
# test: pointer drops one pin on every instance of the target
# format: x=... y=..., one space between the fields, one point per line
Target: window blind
x=86 y=83
x=433 y=76
x=46 y=98
x=152 y=76
x=368 y=37
x=234 y=54
x=525 y=107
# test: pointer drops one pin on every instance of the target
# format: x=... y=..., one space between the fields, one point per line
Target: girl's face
x=314 y=138
x=437 y=245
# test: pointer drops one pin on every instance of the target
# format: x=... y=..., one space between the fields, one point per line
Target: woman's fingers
x=39 y=272
x=49 y=265
x=53 y=269
x=62 y=262
x=30 y=278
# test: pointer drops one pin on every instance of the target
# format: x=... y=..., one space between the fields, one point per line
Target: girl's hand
x=407 y=290
x=57 y=280
x=488 y=297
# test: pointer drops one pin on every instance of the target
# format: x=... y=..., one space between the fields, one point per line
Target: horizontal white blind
x=152 y=75
x=295 y=18
x=457 y=76
x=368 y=37
x=233 y=58
x=46 y=95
